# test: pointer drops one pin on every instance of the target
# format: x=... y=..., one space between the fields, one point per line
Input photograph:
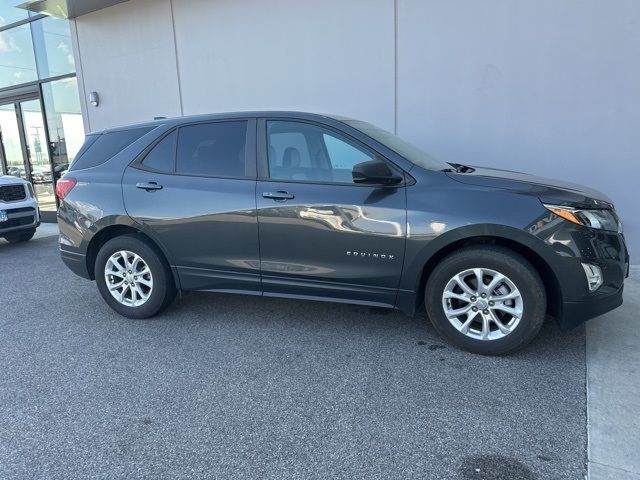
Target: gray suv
x=319 y=207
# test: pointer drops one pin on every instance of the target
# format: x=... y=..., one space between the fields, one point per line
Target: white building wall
x=330 y=56
x=549 y=87
x=126 y=53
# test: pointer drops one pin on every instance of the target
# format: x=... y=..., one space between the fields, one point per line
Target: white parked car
x=19 y=213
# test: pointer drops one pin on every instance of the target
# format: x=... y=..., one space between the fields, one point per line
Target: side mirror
x=375 y=172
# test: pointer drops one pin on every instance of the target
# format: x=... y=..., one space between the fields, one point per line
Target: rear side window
x=160 y=158
x=103 y=147
x=212 y=149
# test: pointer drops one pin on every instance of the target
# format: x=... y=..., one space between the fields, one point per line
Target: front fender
x=424 y=251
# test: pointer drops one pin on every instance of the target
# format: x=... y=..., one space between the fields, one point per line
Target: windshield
x=401 y=147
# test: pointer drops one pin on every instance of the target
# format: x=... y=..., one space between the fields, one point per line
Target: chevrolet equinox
x=318 y=207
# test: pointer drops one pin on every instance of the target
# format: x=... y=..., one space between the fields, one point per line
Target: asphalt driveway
x=224 y=386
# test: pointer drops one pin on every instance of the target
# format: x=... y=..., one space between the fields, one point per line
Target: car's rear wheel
x=18 y=237
x=133 y=277
x=486 y=299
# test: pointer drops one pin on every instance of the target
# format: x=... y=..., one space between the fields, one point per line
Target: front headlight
x=600 y=219
x=30 y=188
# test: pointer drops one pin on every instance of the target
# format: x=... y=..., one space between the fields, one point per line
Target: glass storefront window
x=41 y=127
x=37 y=154
x=52 y=42
x=10 y=144
x=10 y=14
x=64 y=119
x=17 y=61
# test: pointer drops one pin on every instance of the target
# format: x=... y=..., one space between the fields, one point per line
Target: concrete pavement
x=613 y=393
x=227 y=386
x=46 y=230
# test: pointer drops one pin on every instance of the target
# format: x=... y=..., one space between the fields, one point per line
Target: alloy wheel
x=482 y=304
x=128 y=278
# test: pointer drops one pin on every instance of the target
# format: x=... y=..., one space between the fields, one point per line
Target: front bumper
x=576 y=313
x=575 y=245
x=19 y=219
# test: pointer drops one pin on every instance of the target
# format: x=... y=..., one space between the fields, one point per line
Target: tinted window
x=161 y=156
x=212 y=149
x=301 y=151
x=105 y=146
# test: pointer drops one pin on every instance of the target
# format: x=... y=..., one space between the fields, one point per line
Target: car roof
x=222 y=116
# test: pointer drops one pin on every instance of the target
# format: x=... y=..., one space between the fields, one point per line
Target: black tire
x=163 y=291
x=506 y=262
x=18 y=237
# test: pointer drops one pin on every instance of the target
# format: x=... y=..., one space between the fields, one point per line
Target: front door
x=321 y=235
x=194 y=193
x=23 y=148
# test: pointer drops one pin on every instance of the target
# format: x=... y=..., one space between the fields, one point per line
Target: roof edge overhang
x=67 y=8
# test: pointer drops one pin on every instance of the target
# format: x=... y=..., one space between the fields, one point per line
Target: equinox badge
x=381 y=256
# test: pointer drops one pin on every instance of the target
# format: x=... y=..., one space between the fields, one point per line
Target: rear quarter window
x=160 y=157
x=97 y=149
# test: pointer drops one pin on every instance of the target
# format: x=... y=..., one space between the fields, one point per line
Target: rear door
x=193 y=191
x=321 y=235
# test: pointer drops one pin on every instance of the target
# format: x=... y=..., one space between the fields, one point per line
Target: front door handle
x=149 y=186
x=279 y=195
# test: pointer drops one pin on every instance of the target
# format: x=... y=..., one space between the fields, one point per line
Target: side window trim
x=263 y=160
x=250 y=149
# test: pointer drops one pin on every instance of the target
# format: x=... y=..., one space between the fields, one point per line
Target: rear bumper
x=77 y=262
x=575 y=313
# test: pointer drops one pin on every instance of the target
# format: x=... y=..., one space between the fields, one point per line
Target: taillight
x=64 y=186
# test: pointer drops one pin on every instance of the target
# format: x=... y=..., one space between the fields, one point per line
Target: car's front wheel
x=133 y=277
x=486 y=299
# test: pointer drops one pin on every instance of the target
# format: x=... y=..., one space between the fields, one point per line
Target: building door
x=24 y=148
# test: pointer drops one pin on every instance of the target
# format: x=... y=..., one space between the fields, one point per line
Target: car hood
x=546 y=189
x=11 y=180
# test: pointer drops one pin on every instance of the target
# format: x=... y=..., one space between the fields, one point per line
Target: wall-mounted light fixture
x=94 y=99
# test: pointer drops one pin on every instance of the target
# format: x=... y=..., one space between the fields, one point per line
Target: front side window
x=305 y=152
x=212 y=149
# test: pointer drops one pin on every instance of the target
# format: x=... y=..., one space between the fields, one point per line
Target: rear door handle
x=279 y=195
x=149 y=186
